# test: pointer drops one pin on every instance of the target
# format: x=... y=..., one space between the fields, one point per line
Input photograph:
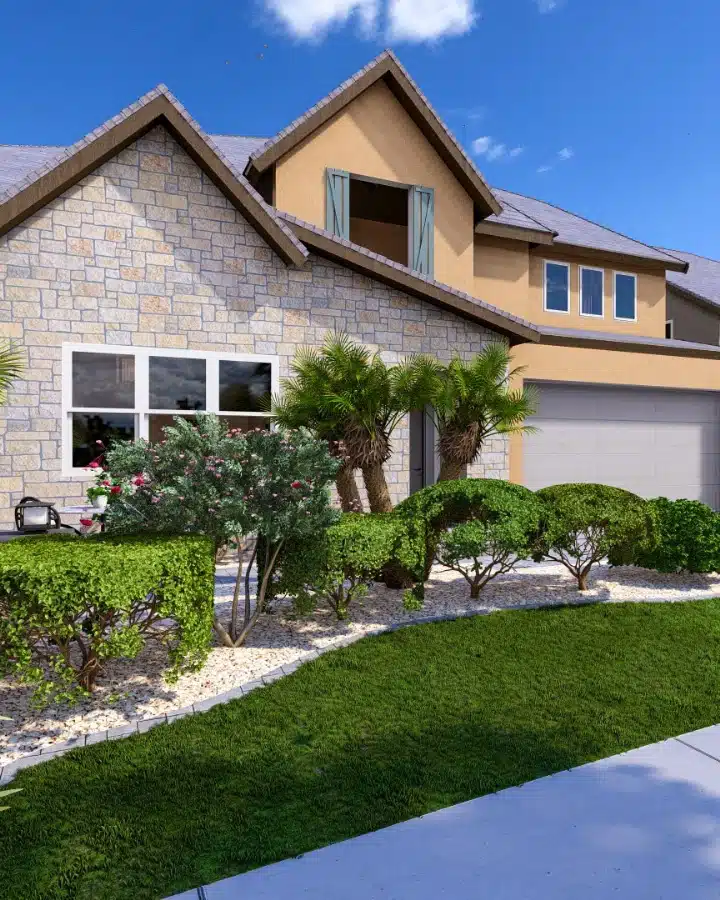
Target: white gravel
x=135 y=689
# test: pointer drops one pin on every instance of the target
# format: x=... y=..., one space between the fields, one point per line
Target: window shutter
x=337 y=208
x=422 y=230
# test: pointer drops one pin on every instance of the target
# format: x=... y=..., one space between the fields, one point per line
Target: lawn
x=389 y=728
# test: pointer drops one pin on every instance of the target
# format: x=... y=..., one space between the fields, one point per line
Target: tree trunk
x=582 y=581
x=450 y=470
x=377 y=489
x=347 y=489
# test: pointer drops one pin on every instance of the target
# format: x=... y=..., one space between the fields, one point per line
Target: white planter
x=99 y=502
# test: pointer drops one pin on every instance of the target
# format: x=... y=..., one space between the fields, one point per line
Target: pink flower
x=86 y=523
x=138 y=481
x=100 y=443
x=155 y=500
x=296 y=484
x=93 y=465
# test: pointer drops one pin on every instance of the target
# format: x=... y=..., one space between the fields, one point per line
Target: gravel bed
x=135 y=689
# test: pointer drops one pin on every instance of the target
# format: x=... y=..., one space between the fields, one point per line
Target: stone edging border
x=139 y=726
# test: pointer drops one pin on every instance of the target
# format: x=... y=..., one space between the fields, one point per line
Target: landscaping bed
x=390 y=728
x=135 y=689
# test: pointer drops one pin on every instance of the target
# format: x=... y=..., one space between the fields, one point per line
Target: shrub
x=584 y=523
x=428 y=513
x=341 y=562
x=688 y=538
x=225 y=484
x=68 y=605
x=504 y=526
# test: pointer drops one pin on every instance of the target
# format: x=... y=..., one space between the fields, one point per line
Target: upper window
x=591 y=292
x=625 y=297
x=557 y=287
x=114 y=394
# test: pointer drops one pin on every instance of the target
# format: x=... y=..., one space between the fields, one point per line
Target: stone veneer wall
x=146 y=251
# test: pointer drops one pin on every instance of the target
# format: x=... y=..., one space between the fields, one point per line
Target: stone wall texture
x=146 y=251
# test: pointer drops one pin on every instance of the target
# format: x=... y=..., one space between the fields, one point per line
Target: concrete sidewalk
x=644 y=825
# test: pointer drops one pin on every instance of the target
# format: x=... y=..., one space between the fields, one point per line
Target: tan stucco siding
x=375 y=137
x=650 y=297
x=619 y=367
x=691 y=321
x=501 y=269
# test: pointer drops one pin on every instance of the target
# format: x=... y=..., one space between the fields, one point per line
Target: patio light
x=33 y=515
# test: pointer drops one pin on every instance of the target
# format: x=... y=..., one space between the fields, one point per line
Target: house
x=152 y=270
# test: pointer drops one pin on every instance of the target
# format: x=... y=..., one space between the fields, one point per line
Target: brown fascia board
x=108 y=140
x=387 y=68
x=600 y=340
x=394 y=275
x=514 y=233
x=621 y=259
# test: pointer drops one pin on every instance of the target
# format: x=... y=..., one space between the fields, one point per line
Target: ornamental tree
x=206 y=479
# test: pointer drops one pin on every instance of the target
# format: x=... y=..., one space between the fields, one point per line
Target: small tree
x=585 y=523
x=203 y=478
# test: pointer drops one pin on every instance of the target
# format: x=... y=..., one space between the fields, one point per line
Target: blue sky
x=607 y=108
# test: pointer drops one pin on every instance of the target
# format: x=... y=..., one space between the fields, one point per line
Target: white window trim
x=671 y=323
x=615 y=315
x=555 y=262
x=585 y=315
x=141 y=409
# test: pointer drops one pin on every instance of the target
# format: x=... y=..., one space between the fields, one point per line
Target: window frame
x=567 y=266
x=634 y=277
x=671 y=323
x=585 y=315
x=141 y=410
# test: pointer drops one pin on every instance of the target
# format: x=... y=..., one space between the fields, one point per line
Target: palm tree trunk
x=347 y=489
x=376 y=487
x=451 y=469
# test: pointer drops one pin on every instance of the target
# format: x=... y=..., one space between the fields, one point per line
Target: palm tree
x=12 y=363
x=474 y=401
x=349 y=395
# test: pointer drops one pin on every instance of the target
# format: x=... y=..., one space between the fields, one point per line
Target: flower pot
x=100 y=502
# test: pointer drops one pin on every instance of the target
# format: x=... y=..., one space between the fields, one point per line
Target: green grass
x=389 y=728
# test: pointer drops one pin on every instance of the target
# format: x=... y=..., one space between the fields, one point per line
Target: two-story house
x=152 y=270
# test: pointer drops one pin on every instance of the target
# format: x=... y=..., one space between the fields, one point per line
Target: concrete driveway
x=644 y=825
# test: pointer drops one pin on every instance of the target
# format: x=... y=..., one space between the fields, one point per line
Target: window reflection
x=89 y=428
x=244 y=386
x=177 y=382
x=103 y=380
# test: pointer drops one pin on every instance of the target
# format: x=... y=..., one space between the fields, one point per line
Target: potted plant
x=98 y=495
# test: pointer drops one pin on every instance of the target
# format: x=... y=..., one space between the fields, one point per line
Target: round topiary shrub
x=585 y=523
x=688 y=538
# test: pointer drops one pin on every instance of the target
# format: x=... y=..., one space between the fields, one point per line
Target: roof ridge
x=590 y=221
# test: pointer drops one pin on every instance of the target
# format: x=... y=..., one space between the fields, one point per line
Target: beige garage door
x=653 y=442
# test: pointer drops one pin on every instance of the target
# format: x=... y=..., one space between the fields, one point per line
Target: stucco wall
x=502 y=274
x=692 y=322
x=146 y=251
x=375 y=137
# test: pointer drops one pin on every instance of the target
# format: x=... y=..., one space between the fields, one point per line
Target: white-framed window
x=123 y=393
x=669 y=329
x=592 y=287
x=625 y=296
x=556 y=287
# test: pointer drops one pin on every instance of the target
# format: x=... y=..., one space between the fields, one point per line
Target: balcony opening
x=379 y=218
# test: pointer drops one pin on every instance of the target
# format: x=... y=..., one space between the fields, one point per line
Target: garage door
x=653 y=442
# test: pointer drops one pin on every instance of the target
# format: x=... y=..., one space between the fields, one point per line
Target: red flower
x=138 y=481
x=116 y=489
x=296 y=484
x=86 y=522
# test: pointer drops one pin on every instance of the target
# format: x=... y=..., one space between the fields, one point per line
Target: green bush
x=504 y=527
x=584 y=523
x=338 y=566
x=67 y=605
x=428 y=514
x=688 y=538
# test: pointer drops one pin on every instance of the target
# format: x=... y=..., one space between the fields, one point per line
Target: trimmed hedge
x=67 y=605
x=338 y=566
x=688 y=538
x=584 y=523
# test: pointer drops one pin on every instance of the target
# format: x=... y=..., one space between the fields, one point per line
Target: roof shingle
x=701 y=279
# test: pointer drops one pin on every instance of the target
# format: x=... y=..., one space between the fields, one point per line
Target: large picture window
x=118 y=393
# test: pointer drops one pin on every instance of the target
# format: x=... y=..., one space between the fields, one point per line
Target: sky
x=608 y=108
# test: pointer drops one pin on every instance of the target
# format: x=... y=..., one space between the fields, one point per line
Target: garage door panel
x=653 y=442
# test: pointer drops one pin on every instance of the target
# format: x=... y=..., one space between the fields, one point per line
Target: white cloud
x=429 y=20
x=566 y=153
x=515 y=152
x=312 y=19
x=407 y=20
x=547 y=6
x=493 y=150
x=542 y=169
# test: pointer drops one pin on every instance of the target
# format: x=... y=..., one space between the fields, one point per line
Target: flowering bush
x=206 y=479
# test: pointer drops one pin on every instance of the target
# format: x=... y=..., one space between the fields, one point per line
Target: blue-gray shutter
x=422 y=230
x=337 y=207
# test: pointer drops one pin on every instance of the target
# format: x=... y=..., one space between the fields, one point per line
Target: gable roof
x=389 y=69
x=702 y=279
x=61 y=170
x=572 y=231
x=392 y=273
